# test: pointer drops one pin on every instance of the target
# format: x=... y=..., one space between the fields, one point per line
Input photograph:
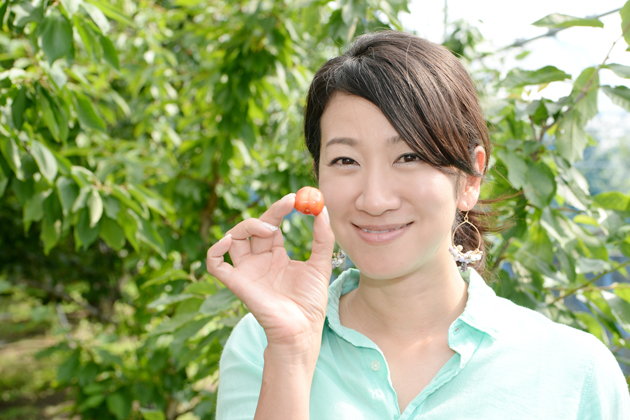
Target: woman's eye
x=409 y=157
x=343 y=161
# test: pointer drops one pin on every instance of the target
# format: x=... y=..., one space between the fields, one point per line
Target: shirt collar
x=479 y=313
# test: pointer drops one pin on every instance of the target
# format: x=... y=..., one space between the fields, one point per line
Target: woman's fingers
x=273 y=216
x=215 y=263
x=323 y=243
x=241 y=234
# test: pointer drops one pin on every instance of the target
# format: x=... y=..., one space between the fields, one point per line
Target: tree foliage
x=133 y=134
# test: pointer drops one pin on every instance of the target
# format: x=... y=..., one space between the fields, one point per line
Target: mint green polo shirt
x=510 y=363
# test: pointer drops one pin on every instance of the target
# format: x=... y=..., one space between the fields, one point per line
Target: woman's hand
x=288 y=298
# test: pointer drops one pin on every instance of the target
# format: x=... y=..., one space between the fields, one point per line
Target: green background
x=133 y=134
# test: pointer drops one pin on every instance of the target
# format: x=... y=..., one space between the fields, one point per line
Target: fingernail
x=326 y=215
x=229 y=235
x=286 y=197
x=270 y=226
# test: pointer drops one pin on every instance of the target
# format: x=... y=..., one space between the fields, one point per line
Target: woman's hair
x=426 y=94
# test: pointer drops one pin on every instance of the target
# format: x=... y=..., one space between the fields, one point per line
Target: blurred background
x=135 y=133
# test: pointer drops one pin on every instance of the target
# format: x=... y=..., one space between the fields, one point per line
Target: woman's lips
x=380 y=235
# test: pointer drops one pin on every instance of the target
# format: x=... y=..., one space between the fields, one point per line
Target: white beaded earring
x=338 y=258
x=456 y=250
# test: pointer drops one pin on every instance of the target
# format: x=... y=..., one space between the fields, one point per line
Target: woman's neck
x=420 y=305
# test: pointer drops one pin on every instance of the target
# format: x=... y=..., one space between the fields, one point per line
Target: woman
x=399 y=146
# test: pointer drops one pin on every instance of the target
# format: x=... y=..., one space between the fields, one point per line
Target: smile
x=385 y=231
x=380 y=235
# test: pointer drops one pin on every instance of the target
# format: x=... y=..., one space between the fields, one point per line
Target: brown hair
x=426 y=94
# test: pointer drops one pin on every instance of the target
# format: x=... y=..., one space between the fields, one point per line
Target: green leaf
x=18 y=107
x=220 y=301
x=92 y=401
x=592 y=265
x=25 y=13
x=169 y=275
x=516 y=166
x=541 y=185
x=557 y=20
x=98 y=17
x=620 y=95
x=11 y=154
x=48 y=114
x=87 y=115
x=200 y=288
x=112 y=233
x=84 y=233
x=71 y=6
x=109 y=52
x=519 y=78
x=55 y=34
x=110 y=10
x=111 y=206
x=119 y=405
x=173 y=323
x=95 y=206
x=619 y=70
x=169 y=300
x=585 y=91
x=619 y=308
x=88 y=37
x=625 y=21
x=81 y=200
x=125 y=198
x=150 y=198
x=45 y=160
x=130 y=226
x=23 y=189
x=148 y=235
x=50 y=234
x=4 y=181
x=67 y=370
x=591 y=323
x=613 y=200
x=571 y=139
x=34 y=208
x=68 y=193
x=152 y=414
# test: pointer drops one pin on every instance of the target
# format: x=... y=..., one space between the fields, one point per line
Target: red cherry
x=309 y=200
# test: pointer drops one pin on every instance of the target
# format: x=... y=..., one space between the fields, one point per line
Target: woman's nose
x=379 y=194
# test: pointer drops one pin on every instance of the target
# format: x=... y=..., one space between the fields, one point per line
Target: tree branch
x=61 y=294
x=551 y=32
x=572 y=291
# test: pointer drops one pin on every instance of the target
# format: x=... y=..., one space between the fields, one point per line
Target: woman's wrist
x=303 y=353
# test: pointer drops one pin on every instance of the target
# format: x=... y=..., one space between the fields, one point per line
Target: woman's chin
x=383 y=270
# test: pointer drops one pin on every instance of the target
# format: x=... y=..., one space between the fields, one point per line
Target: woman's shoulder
x=523 y=324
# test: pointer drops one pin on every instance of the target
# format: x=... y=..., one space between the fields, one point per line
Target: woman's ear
x=472 y=186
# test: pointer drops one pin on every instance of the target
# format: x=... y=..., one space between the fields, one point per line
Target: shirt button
x=375 y=365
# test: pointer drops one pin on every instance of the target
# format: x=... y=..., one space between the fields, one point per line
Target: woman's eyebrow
x=353 y=142
x=393 y=140
x=342 y=140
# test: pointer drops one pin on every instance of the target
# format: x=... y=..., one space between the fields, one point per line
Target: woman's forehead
x=349 y=119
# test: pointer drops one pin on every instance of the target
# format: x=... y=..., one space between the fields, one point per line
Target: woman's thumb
x=323 y=242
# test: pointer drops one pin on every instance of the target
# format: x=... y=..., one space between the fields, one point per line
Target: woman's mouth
x=380 y=235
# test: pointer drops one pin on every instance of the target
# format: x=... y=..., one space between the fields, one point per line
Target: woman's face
x=390 y=212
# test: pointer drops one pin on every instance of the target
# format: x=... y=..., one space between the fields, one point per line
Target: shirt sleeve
x=605 y=395
x=240 y=371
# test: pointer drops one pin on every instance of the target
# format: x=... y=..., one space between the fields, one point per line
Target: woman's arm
x=288 y=299
x=286 y=384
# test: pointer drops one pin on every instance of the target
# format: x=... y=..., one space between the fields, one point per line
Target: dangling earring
x=456 y=250
x=338 y=258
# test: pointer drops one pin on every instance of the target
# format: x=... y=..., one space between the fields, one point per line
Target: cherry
x=309 y=200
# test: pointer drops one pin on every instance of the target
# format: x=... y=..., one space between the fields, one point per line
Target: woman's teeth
x=385 y=231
